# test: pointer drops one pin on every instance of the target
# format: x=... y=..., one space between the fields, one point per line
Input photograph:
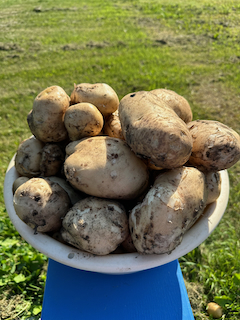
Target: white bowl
x=115 y=263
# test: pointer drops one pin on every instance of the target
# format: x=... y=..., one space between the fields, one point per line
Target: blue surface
x=73 y=294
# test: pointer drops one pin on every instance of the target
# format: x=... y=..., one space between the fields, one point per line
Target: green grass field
x=189 y=47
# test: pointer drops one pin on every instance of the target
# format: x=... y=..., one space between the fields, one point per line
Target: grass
x=190 y=47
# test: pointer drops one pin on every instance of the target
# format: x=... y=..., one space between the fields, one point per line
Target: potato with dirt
x=28 y=157
x=176 y=102
x=214 y=182
x=41 y=204
x=112 y=126
x=46 y=119
x=172 y=205
x=100 y=95
x=95 y=225
x=52 y=159
x=83 y=120
x=154 y=131
x=215 y=146
x=106 y=167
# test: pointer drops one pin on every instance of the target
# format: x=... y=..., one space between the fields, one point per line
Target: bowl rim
x=122 y=263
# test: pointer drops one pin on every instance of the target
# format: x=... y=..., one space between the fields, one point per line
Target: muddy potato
x=174 y=203
x=213 y=180
x=154 y=131
x=106 y=167
x=176 y=102
x=112 y=126
x=95 y=225
x=28 y=157
x=52 y=159
x=18 y=182
x=215 y=146
x=45 y=120
x=100 y=95
x=41 y=204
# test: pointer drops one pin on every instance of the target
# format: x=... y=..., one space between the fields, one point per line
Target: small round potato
x=52 y=159
x=173 y=204
x=154 y=131
x=215 y=146
x=83 y=120
x=41 y=204
x=106 y=167
x=28 y=157
x=95 y=225
x=45 y=120
x=100 y=95
x=176 y=102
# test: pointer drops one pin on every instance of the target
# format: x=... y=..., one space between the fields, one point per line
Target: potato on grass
x=41 y=204
x=28 y=157
x=83 y=120
x=215 y=146
x=106 y=167
x=154 y=131
x=100 y=95
x=45 y=120
x=95 y=225
x=173 y=204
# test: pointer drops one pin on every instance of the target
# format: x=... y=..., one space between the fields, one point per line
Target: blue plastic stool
x=158 y=293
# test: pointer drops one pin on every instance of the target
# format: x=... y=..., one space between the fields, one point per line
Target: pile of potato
x=107 y=176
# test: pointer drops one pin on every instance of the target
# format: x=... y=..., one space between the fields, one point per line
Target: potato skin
x=45 y=120
x=96 y=225
x=106 y=167
x=215 y=146
x=100 y=95
x=213 y=180
x=52 y=159
x=154 y=131
x=112 y=127
x=28 y=157
x=176 y=102
x=174 y=203
x=83 y=120
x=41 y=204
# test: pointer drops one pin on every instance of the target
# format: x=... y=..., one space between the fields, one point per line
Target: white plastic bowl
x=115 y=263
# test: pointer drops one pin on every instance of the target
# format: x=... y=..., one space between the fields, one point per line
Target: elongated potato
x=215 y=146
x=154 y=131
x=83 y=120
x=174 y=203
x=45 y=120
x=176 y=102
x=106 y=167
x=100 y=95
x=96 y=225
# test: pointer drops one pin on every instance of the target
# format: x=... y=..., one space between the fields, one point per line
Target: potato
x=28 y=157
x=41 y=204
x=173 y=204
x=18 y=182
x=213 y=180
x=106 y=167
x=215 y=146
x=45 y=120
x=83 y=120
x=52 y=159
x=154 y=131
x=112 y=127
x=100 y=95
x=176 y=102
x=95 y=225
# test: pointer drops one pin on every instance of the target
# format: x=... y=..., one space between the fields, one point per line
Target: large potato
x=178 y=103
x=41 y=204
x=96 y=225
x=45 y=120
x=215 y=146
x=154 y=131
x=174 y=203
x=106 y=167
x=100 y=95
